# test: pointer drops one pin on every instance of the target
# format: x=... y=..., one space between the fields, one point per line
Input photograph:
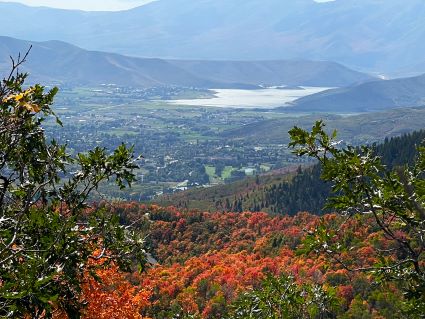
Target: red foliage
x=207 y=259
x=113 y=296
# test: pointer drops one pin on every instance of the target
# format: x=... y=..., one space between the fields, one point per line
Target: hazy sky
x=110 y=5
x=93 y=5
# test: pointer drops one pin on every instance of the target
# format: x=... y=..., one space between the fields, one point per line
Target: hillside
x=307 y=192
x=224 y=197
x=358 y=129
x=207 y=261
x=286 y=192
x=275 y=73
x=375 y=35
x=371 y=96
x=60 y=62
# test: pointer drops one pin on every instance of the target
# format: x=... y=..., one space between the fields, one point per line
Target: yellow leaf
x=19 y=97
x=8 y=98
x=32 y=107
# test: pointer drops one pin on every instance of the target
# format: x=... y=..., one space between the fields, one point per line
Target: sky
x=93 y=5
x=88 y=5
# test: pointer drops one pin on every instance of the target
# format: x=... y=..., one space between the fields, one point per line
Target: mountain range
x=58 y=62
x=373 y=35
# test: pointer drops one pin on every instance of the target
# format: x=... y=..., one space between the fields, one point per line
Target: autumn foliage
x=113 y=294
x=207 y=260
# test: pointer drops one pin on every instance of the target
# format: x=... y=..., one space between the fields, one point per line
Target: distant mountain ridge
x=374 y=35
x=58 y=62
x=62 y=63
x=278 y=72
x=370 y=96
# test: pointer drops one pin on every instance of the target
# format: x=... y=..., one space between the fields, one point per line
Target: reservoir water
x=262 y=98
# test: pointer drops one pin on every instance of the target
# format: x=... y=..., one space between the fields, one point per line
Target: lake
x=262 y=98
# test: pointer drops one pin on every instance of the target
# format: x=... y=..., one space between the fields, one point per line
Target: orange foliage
x=113 y=296
x=207 y=259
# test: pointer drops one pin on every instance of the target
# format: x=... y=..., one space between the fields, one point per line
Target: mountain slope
x=289 y=72
x=378 y=35
x=376 y=95
x=358 y=129
x=60 y=62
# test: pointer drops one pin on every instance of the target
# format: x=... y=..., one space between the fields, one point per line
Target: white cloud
x=89 y=5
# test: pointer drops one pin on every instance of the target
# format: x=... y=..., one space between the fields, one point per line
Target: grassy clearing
x=210 y=170
x=227 y=172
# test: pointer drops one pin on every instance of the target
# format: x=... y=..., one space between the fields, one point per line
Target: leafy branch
x=363 y=186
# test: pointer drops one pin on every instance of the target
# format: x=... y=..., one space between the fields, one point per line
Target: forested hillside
x=290 y=191
x=308 y=192
x=207 y=261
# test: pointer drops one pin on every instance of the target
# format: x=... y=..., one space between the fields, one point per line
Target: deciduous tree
x=47 y=235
